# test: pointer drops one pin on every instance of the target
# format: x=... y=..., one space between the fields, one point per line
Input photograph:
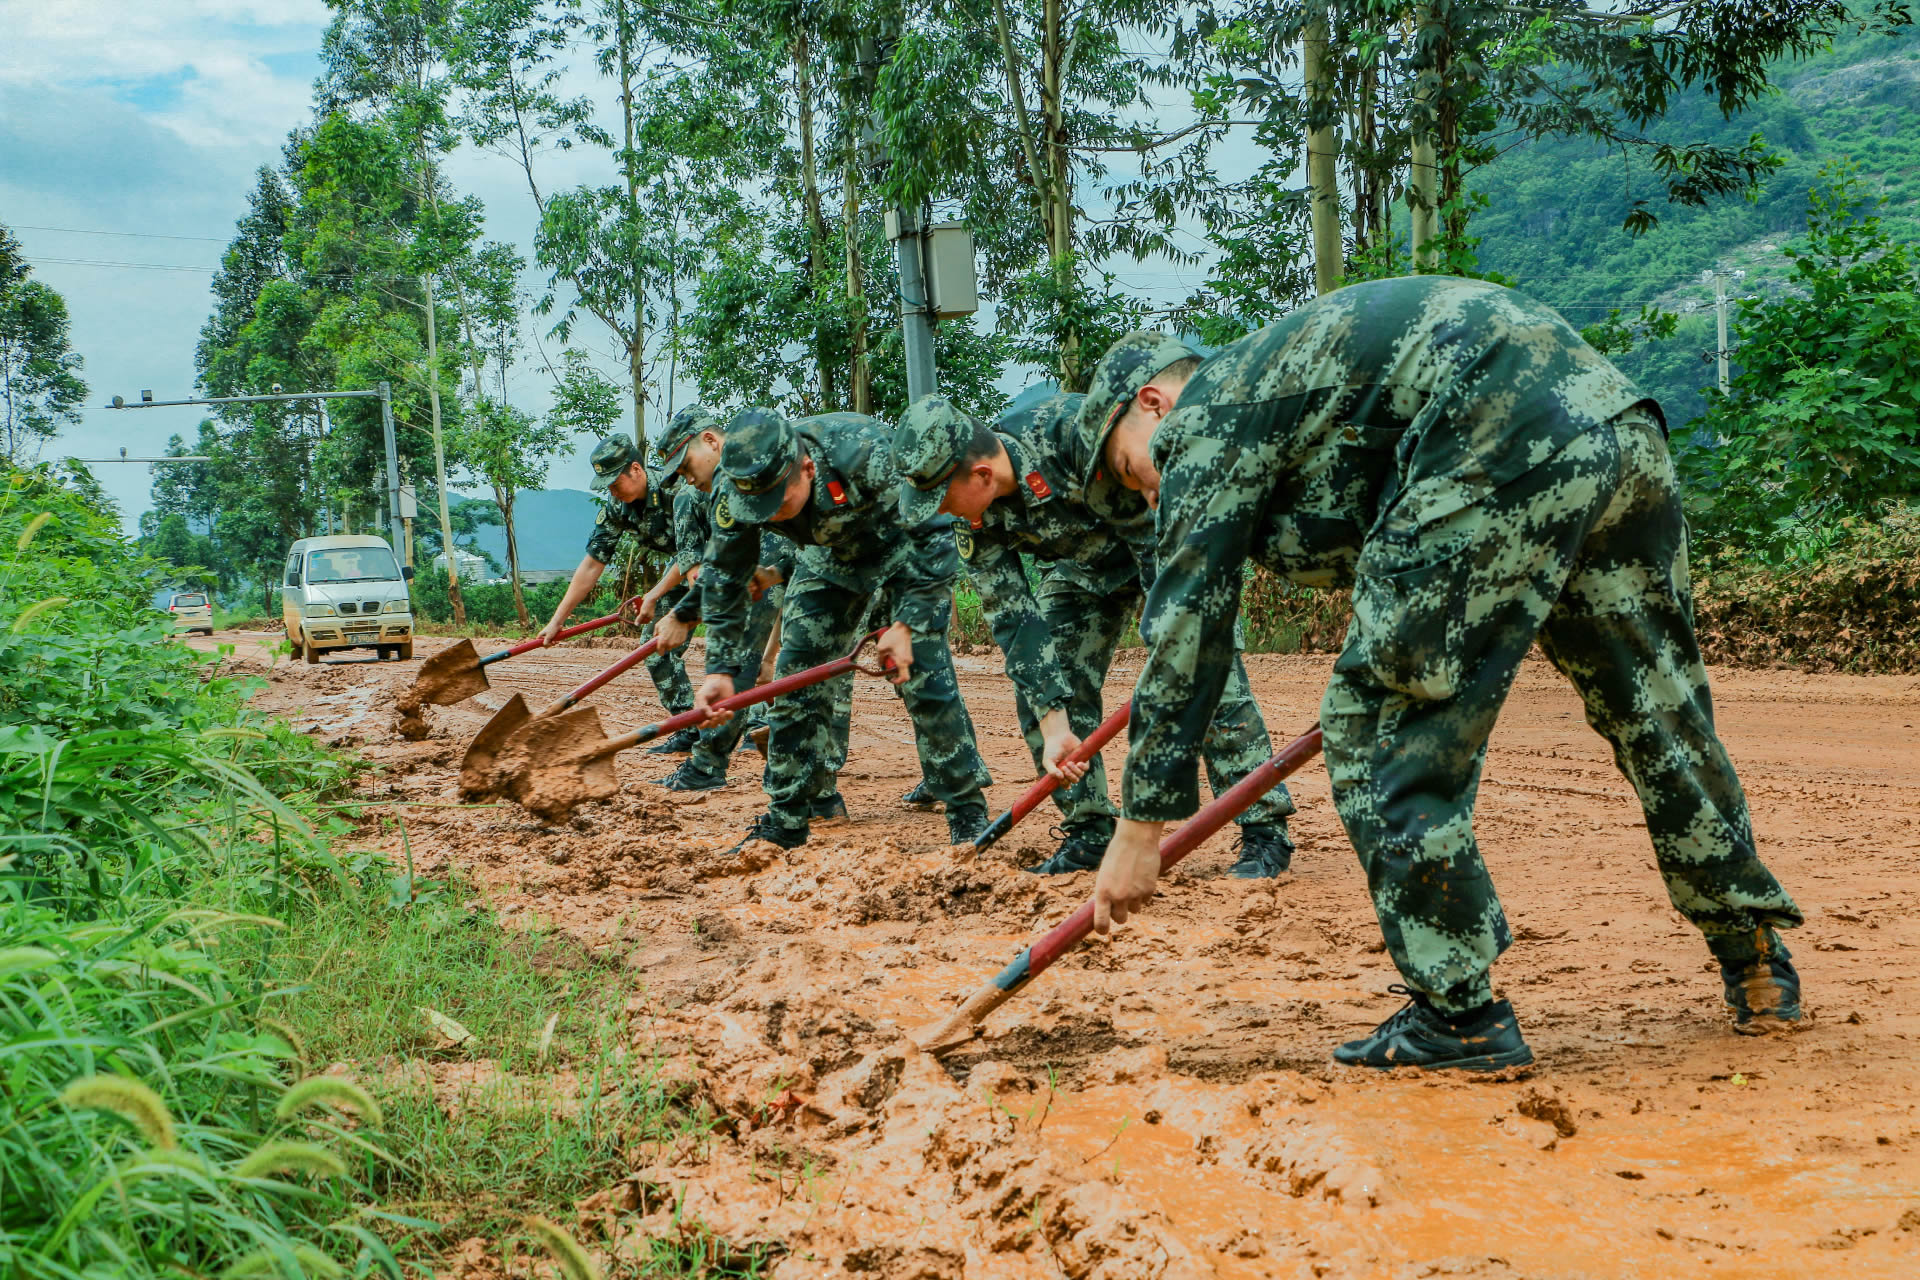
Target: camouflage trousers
x=669 y=670
x=1587 y=552
x=714 y=750
x=1087 y=613
x=807 y=729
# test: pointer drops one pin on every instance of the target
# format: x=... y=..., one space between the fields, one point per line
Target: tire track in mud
x=1163 y=1104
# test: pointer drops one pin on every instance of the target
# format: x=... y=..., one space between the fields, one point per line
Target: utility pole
x=908 y=233
x=1718 y=277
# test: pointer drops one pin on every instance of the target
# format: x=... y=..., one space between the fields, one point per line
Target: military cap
x=1130 y=364
x=761 y=452
x=611 y=457
x=681 y=430
x=928 y=447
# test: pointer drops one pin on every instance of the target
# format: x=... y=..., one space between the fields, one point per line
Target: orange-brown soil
x=1162 y=1105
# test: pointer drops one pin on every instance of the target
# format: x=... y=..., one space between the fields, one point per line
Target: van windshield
x=352 y=564
x=189 y=600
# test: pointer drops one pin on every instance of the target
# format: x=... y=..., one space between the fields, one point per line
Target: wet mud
x=1163 y=1104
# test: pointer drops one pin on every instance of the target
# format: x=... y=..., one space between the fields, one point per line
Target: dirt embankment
x=1163 y=1105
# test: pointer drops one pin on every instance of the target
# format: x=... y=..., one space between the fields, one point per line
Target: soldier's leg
x=1236 y=744
x=669 y=670
x=943 y=734
x=818 y=621
x=1444 y=611
x=1623 y=634
x=714 y=750
x=1086 y=625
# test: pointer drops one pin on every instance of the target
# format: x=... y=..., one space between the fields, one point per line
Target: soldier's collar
x=1030 y=482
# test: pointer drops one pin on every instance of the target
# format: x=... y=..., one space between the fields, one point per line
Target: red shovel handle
x=1048 y=784
x=564 y=633
x=613 y=672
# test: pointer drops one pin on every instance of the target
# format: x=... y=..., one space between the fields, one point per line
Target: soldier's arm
x=1019 y=628
x=689 y=529
x=923 y=593
x=732 y=556
x=1211 y=497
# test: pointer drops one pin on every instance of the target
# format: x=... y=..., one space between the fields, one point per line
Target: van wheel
x=307 y=651
x=405 y=651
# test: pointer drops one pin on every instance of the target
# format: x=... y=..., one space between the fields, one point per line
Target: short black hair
x=984 y=444
x=1182 y=368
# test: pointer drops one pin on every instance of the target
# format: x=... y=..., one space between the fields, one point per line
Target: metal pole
x=394 y=526
x=1720 y=305
x=916 y=327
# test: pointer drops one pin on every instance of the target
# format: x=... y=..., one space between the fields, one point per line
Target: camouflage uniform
x=1059 y=638
x=851 y=544
x=651 y=521
x=1481 y=477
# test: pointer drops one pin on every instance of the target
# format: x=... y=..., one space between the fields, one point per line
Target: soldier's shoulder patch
x=963 y=539
x=1038 y=483
x=838 y=492
x=601 y=518
x=723 y=513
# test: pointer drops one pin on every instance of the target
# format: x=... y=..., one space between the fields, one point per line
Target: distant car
x=192 y=611
x=346 y=591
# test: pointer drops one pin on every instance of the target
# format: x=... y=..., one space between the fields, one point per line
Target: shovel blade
x=452 y=675
x=542 y=770
x=483 y=753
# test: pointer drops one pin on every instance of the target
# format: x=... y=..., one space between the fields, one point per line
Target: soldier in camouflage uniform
x=1481 y=477
x=1017 y=489
x=825 y=484
x=630 y=503
x=690 y=448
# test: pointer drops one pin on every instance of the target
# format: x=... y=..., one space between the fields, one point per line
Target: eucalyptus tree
x=40 y=385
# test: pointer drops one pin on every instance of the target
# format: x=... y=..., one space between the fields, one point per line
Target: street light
x=384 y=395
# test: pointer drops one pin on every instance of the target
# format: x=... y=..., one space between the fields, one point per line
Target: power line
x=139 y=235
x=101 y=262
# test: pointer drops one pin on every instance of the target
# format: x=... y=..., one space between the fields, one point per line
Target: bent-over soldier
x=825 y=484
x=1482 y=478
x=1017 y=489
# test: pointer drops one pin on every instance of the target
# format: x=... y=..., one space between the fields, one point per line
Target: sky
x=130 y=131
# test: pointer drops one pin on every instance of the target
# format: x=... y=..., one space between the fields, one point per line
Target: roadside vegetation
x=222 y=1013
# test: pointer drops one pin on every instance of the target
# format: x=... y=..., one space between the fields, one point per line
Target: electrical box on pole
x=953 y=285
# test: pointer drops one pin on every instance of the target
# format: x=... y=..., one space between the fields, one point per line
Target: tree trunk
x=440 y=459
x=503 y=498
x=1056 y=197
x=1323 y=145
x=860 y=381
x=816 y=220
x=637 y=340
x=1423 y=185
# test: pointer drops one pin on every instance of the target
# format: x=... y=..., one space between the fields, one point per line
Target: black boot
x=965 y=821
x=1486 y=1039
x=1763 y=992
x=676 y=743
x=765 y=828
x=691 y=777
x=920 y=798
x=1078 y=851
x=831 y=812
x=1265 y=852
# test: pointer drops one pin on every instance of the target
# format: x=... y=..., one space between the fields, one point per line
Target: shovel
x=963 y=1024
x=458 y=672
x=476 y=767
x=1047 y=784
x=560 y=762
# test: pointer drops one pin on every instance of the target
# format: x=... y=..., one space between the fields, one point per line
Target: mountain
x=551 y=524
x=1553 y=221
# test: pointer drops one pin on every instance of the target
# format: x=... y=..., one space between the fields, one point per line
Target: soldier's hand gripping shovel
x=1048 y=784
x=477 y=766
x=458 y=672
x=963 y=1024
x=558 y=763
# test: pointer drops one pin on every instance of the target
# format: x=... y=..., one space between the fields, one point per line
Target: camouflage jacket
x=1045 y=518
x=693 y=532
x=1320 y=447
x=849 y=534
x=651 y=520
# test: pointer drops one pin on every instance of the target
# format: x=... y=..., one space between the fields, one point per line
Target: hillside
x=1553 y=224
x=551 y=524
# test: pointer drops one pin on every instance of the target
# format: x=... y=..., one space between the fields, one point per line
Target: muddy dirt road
x=1163 y=1105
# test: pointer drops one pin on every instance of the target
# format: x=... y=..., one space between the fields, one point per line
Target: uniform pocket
x=1411 y=593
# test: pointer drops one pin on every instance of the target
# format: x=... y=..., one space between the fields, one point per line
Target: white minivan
x=346 y=591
